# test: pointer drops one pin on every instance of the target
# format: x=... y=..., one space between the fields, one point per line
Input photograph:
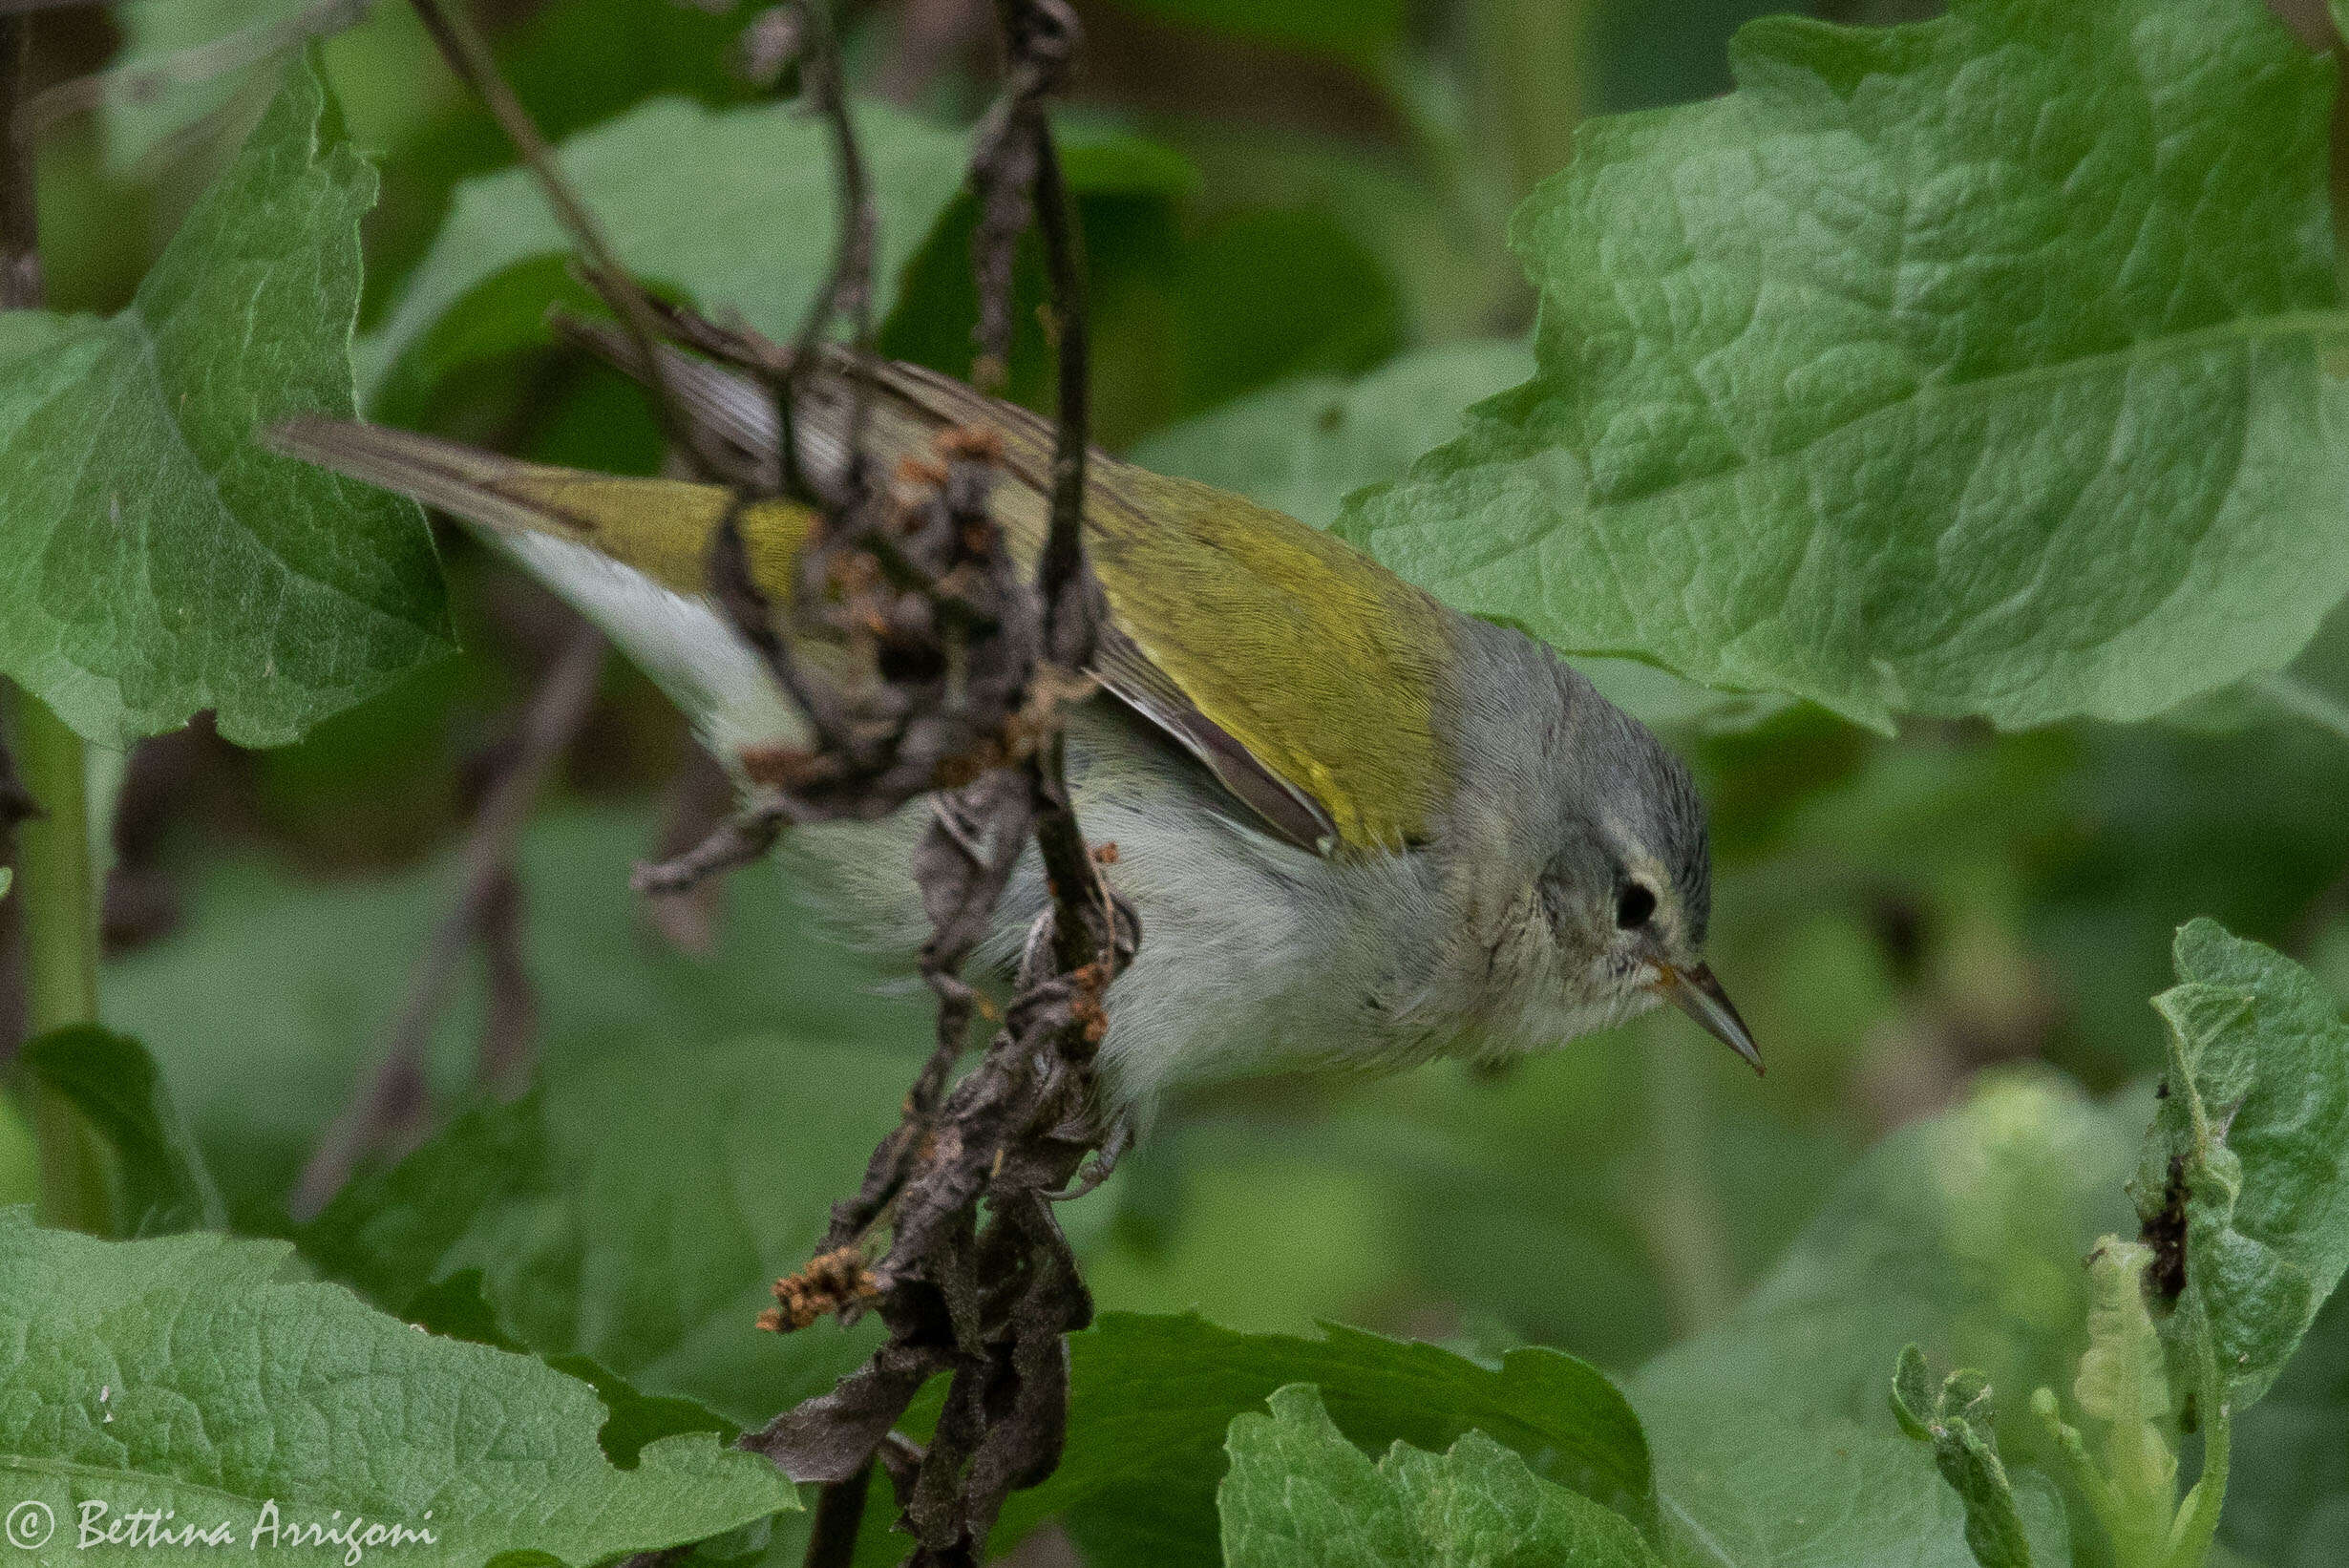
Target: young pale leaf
x=2242 y=1187
x=1926 y=373
x=1299 y=1496
x=733 y=210
x=115 y=1085
x=1168 y=1388
x=1955 y=1420
x=187 y=1374
x=154 y=561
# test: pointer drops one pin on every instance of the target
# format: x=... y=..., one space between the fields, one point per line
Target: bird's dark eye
x=1635 y=905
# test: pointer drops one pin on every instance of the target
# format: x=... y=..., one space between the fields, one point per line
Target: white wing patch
x=681 y=642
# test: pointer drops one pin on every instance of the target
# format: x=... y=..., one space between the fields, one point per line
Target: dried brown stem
x=391 y=1109
x=986 y=1301
x=20 y=243
x=20 y=289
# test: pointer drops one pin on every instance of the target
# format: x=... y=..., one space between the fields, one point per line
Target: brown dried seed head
x=925 y=472
x=976 y=442
x=830 y=1282
x=781 y=767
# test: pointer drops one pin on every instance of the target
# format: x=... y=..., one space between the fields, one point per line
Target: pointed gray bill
x=1695 y=991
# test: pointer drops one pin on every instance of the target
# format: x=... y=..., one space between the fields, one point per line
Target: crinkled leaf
x=115 y=1085
x=1151 y=1399
x=154 y=561
x=189 y=1373
x=2250 y=1152
x=1924 y=373
x=1299 y=1496
x=733 y=208
x=1955 y=1421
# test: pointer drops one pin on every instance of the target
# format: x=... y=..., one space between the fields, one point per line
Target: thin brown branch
x=390 y=1109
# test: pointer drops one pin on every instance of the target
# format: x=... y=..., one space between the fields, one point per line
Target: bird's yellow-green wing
x=1303 y=673
x=1300 y=673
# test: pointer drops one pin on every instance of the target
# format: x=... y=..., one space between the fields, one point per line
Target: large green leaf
x=1299 y=1496
x=115 y=1085
x=154 y=561
x=1303 y=445
x=734 y=208
x=1926 y=372
x=1151 y=1399
x=1964 y=1234
x=2246 y=1167
x=188 y=1374
x=638 y=1213
x=2287 y=1492
x=259 y=987
x=1750 y=1486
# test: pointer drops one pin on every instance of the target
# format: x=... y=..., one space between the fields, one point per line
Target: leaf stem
x=2197 y=1518
x=60 y=911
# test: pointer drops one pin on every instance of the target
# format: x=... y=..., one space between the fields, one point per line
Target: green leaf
x=1299 y=1496
x=183 y=59
x=188 y=1374
x=731 y=208
x=637 y=1212
x=2245 y=1166
x=1153 y=1397
x=1921 y=373
x=1956 y=1421
x=115 y=1085
x=456 y=1307
x=154 y=561
x=260 y=988
x=1753 y=1487
x=2287 y=1492
x=1962 y=1234
x=1303 y=445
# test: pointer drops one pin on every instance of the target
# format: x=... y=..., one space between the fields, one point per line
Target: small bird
x=1359 y=828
